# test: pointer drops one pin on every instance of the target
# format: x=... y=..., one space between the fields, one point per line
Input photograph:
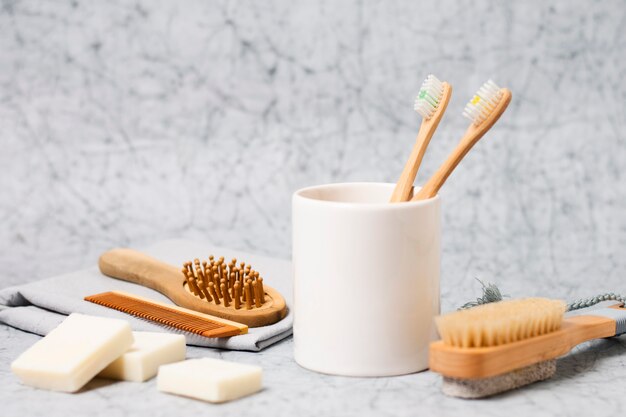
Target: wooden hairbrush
x=233 y=292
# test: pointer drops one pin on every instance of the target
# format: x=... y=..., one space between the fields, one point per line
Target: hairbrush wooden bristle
x=231 y=285
x=228 y=290
x=172 y=316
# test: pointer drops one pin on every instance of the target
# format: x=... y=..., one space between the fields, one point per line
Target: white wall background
x=122 y=123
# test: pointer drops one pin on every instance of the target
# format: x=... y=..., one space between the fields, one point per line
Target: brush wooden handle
x=474 y=363
x=470 y=138
x=139 y=268
x=404 y=186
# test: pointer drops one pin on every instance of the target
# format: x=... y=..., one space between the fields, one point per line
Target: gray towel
x=40 y=306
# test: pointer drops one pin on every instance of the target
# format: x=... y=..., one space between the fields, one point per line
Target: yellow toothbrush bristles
x=483 y=102
x=500 y=322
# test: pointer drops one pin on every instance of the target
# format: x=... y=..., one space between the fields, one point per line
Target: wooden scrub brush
x=228 y=290
x=504 y=345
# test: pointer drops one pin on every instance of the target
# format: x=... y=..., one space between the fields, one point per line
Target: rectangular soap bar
x=211 y=380
x=73 y=353
x=149 y=351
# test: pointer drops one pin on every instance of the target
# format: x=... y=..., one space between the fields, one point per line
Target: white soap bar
x=149 y=351
x=211 y=380
x=73 y=353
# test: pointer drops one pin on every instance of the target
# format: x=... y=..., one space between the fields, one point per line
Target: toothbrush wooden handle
x=484 y=362
x=470 y=138
x=404 y=186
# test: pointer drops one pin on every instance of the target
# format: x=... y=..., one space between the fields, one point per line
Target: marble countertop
x=589 y=382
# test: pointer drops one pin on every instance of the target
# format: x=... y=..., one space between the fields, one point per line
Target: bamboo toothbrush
x=431 y=103
x=504 y=345
x=484 y=110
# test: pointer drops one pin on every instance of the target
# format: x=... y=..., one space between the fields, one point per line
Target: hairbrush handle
x=470 y=138
x=484 y=362
x=136 y=267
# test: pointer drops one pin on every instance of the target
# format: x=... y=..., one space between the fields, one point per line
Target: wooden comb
x=230 y=291
x=180 y=318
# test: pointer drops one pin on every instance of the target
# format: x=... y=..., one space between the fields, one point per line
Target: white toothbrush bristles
x=429 y=97
x=483 y=102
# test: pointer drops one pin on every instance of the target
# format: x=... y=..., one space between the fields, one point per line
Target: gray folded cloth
x=40 y=306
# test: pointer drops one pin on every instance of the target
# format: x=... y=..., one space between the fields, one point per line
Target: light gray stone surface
x=124 y=123
x=590 y=382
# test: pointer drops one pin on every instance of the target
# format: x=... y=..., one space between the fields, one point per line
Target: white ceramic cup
x=366 y=279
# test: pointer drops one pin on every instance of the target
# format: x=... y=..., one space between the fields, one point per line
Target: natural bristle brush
x=484 y=110
x=431 y=103
x=224 y=289
x=504 y=345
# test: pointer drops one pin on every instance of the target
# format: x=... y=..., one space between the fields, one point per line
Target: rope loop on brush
x=588 y=302
x=491 y=294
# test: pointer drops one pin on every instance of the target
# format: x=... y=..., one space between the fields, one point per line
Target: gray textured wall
x=126 y=122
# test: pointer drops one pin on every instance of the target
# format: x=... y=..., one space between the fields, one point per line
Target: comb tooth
x=163 y=314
